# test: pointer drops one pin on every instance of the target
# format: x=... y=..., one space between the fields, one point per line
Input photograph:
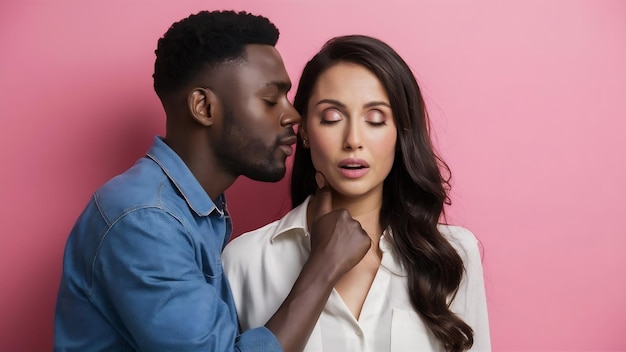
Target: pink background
x=527 y=101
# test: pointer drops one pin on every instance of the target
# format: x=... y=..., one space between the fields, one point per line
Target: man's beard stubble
x=245 y=154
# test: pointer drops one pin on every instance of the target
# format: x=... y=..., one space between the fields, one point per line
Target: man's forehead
x=262 y=55
x=265 y=62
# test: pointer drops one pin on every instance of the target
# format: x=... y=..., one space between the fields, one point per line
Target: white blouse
x=263 y=265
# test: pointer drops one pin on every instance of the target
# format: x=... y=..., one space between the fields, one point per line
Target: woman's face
x=350 y=130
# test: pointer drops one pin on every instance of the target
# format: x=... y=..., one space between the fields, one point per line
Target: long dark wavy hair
x=414 y=192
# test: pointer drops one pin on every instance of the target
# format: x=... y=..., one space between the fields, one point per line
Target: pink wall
x=527 y=101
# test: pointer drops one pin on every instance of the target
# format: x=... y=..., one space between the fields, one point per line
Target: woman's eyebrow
x=331 y=101
x=377 y=103
x=342 y=105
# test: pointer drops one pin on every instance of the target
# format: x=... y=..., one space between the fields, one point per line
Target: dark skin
x=237 y=120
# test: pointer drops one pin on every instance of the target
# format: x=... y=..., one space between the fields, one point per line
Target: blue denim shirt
x=142 y=268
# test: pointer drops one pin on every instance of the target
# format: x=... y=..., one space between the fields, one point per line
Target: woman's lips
x=353 y=168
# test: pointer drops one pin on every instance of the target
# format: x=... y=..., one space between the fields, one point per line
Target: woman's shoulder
x=462 y=239
x=457 y=233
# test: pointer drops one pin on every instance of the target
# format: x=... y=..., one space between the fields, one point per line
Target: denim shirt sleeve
x=152 y=281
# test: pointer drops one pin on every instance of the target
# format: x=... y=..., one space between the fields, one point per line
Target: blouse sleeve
x=470 y=302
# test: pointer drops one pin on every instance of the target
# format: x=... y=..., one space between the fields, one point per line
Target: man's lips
x=286 y=143
x=290 y=140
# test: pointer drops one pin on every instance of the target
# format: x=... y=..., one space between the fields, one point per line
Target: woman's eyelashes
x=373 y=117
x=376 y=118
x=330 y=116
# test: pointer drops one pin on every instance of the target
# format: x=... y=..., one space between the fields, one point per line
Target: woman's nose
x=353 y=137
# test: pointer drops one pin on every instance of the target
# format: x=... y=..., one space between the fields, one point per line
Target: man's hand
x=338 y=242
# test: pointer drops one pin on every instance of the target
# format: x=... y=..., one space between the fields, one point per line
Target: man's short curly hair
x=205 y=40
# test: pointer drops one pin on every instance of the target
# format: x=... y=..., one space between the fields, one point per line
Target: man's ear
x=203 y=105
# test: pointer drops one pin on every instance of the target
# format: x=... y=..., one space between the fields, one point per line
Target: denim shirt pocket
x=211 y=267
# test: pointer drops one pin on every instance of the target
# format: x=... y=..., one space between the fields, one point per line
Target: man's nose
x=289 y=117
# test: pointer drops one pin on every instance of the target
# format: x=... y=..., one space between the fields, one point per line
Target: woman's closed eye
x=330 y=116
x=376 y=118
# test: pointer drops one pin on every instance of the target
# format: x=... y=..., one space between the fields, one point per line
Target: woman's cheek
x=318 y=162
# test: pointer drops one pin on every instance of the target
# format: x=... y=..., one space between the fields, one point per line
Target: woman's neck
x=365 y=209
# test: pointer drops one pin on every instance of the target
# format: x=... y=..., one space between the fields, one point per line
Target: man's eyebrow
x=281 y=85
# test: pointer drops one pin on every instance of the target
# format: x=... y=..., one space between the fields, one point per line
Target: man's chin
x=274 y=175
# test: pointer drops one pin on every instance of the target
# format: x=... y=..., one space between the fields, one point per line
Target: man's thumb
x=323 y=196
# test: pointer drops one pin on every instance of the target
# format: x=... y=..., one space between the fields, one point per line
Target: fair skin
x=352 y=136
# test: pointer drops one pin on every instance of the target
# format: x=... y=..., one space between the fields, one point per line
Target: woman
x=365 y=129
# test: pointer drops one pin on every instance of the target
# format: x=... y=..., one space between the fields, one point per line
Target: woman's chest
x=387 y=321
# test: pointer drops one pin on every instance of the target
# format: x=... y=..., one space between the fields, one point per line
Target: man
x=142 y=267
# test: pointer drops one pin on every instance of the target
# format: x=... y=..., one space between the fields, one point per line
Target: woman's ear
x=303 y=135
x=202 y=103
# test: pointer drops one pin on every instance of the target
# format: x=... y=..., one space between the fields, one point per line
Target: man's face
x=257 y=131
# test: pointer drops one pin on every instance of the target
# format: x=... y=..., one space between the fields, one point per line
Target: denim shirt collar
x=186 y=183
